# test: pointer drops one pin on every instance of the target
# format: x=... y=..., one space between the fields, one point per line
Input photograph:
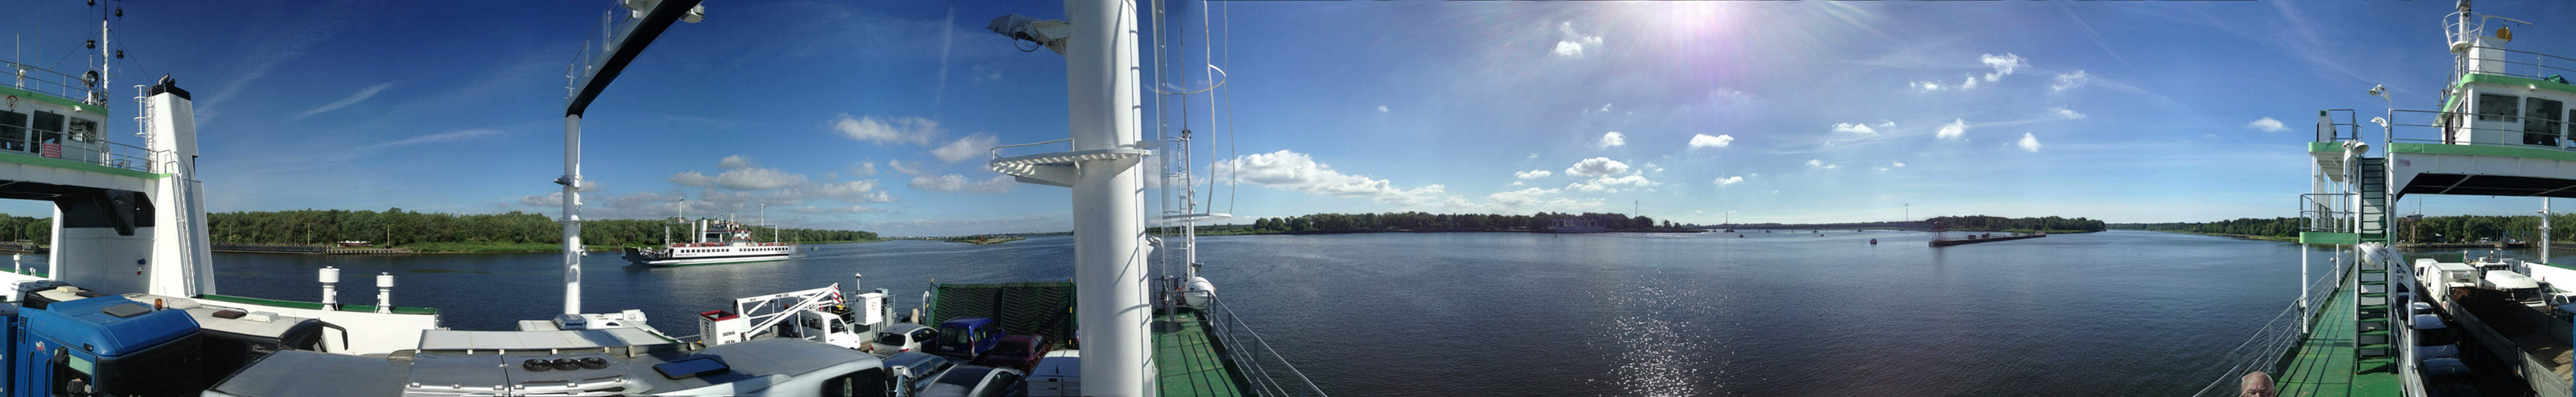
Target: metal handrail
x=996 y=151
x=62 y=85
x=2351 y=119
x=2537 y=62
x=110 y=157
x=2330 y=218
x=2453 y=131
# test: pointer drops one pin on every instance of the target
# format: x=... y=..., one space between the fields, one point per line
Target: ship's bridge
x=2503 y=129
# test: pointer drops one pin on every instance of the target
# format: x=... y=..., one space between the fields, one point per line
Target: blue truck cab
x=967 y=337
x=103 y=346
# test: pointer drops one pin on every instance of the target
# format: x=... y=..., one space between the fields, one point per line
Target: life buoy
x=13 y=101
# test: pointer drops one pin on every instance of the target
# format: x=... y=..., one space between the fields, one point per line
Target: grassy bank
x=2284 y=239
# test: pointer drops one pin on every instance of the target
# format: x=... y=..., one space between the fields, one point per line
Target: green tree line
x=1997 y=223
x=1395 y=221
x=2431 y=229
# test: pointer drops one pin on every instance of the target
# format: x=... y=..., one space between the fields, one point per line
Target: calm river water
x=1501 y=314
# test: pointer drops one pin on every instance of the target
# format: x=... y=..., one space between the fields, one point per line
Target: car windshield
x=965 y=376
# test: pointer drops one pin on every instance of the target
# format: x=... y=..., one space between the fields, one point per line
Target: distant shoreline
x=437 y=248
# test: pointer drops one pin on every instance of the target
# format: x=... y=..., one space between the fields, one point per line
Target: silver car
x=976 y=381
x=900 y=338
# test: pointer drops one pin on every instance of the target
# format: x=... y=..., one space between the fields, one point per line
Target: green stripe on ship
x=50 y=98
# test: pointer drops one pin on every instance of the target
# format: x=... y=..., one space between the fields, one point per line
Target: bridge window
x=13 y=131
x=2492 y=107
x=49 y=129
x=2541 y=124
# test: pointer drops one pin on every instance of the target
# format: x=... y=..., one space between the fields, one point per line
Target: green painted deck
x=2323 y=364
x=1189 y=361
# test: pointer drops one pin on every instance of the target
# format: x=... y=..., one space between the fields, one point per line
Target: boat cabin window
x=84 y=130
x=2542 y=121
x=13 y=131
x=2492 y=107
x=49 y=129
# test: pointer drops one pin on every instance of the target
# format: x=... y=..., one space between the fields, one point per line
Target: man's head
x=2257 y=384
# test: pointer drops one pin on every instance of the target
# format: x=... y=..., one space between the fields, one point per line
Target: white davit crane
x=820 y=315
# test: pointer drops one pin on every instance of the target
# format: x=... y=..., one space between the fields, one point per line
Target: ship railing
x=2474 y=129
x=1254 y=356
x=2330 y=130
x=49 y=82
x=107 y=154
x=2326 y=212
x=2277 y=339
x=2511 y=62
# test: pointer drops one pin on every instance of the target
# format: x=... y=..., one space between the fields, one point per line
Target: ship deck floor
x=2324 y=364
x=1190 y=362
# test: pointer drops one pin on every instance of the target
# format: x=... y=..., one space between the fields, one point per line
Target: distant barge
x=1973 y=239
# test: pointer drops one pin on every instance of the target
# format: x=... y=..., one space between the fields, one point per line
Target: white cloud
x=1887 y=124
x=1957 y=128
x=1381 y=108
x=1729 y=180
x=965 y=148
x=952 y=183
x=858 y=191
x=450 y=136
x=865 y=168
x=1571 y=44
x=1899 y=164
x=1821 y=164
x=1969 y=83
x=907 y=169
x=1518 y=183
x=913 y=130
x=734 y=161
x=1924 y=86
x=1703 y=140
x=2028 y=142
x=1533 y=174
x=844 y=209
x=2003 y=65
x=1597 y=166
x=1613 y=138
x=2069 y=81
x=353 y=99
x=1532 y=156
x=2267 y=124
x=1612 y=184
x=741 y=179
x=1854 y=128
x=1879 y=169
x=1289 y=170
x=2068 y=114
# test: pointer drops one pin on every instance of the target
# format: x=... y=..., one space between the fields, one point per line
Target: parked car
x=1015 y=352
x=976 y=381
x=913 y=371
x=2433 y=338
x=901 y=338
x=967 y=337
x=2448 y=377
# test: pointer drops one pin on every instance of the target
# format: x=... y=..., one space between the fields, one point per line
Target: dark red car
x=1015 y=351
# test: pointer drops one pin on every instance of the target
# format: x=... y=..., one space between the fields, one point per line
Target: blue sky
x=874 y=115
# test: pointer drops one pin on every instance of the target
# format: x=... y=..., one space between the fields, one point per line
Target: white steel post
x=571 y=182
x=1101 y=76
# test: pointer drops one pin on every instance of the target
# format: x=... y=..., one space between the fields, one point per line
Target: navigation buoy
x=1873 y=241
